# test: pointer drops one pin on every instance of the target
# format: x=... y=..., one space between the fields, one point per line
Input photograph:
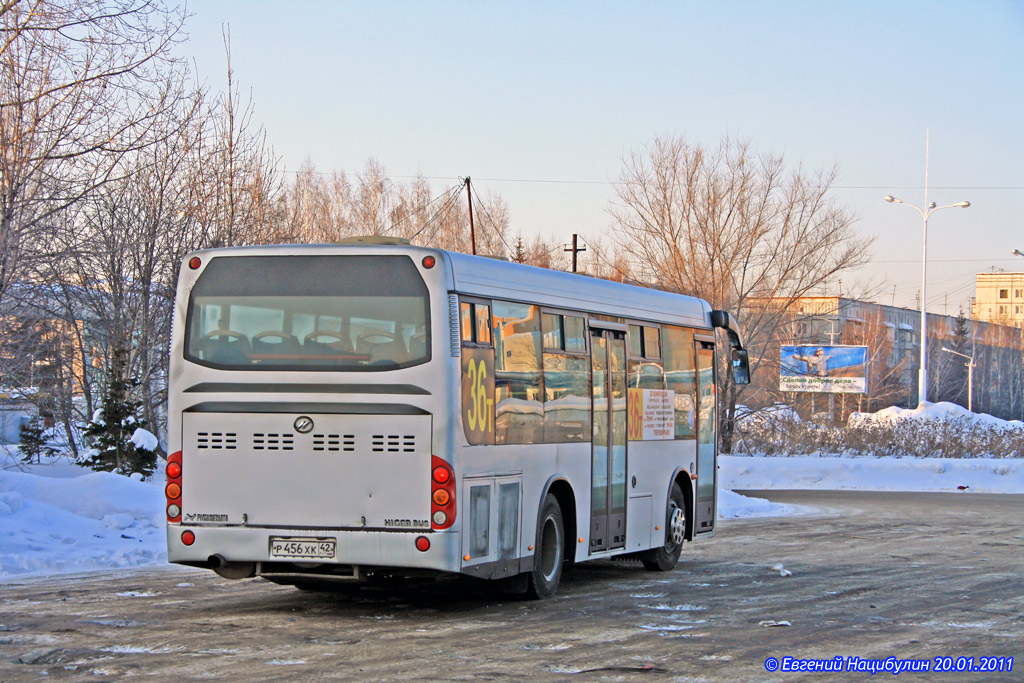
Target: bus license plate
x=301 y=548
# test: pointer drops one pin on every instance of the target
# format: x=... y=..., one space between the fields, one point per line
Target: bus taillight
x=173 y=489
x=442 y=494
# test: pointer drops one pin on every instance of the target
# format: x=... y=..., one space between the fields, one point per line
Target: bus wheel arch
x=677 y=521
x=562 y=491
x=549 y=553
x=685 y=484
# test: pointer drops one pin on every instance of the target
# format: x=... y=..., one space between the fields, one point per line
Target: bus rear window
x=347 y=313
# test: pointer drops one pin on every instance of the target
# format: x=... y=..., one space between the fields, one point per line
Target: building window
x=1004 y=294
x=1016 y=293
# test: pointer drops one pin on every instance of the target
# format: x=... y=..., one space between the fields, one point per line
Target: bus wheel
x=665 y=558
x=547 y=560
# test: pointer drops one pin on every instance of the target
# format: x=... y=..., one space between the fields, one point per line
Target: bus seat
x=275 y=343
x=326 y=343
x=225 y=346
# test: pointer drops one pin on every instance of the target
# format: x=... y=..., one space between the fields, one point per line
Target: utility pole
x=575 y=250
x=472 y=230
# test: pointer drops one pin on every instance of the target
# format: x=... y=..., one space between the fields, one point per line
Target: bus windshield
x=349 y=313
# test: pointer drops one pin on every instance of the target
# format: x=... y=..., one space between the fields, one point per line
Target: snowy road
x=873 y=575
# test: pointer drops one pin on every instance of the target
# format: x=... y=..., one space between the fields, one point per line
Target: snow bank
x=733 y=505
x=53 y=522
x=932 y=412
x=979 y=475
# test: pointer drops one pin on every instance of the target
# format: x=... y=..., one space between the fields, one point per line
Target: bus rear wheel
x=547 y=559
x=665 y=558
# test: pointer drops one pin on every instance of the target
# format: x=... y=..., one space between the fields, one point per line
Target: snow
x=979 y=475
x=64 y=518
x=144 y=440
x=932 y=412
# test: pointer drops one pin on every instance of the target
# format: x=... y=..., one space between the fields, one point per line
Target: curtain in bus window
x=680 y=378
x=519 y=403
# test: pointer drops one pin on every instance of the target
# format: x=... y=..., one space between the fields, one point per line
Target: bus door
x=608 y=455
x=707 y=444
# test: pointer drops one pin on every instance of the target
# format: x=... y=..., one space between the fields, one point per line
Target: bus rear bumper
x=216 y=545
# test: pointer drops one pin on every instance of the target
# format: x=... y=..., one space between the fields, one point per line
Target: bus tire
x=665 y=558
x=547 y=560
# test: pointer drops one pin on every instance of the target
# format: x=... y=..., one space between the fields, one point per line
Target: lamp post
x=970 y=373
x=922 y=388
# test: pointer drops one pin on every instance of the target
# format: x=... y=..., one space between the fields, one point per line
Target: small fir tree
x=519 y=251
x=112 y=427
x=32 y=444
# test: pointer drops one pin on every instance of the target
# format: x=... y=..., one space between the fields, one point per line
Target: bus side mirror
x=740 y=366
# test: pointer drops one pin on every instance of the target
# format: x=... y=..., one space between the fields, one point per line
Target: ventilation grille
x=454 y=337
x=273 y=442
x=393 y=443
x=217 y=441
x=334 y=442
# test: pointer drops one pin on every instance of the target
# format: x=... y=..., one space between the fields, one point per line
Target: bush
x=953 y=438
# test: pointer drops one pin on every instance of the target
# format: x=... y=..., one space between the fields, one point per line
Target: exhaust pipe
x=232 y=570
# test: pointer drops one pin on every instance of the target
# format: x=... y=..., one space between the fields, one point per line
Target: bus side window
x=518 y=399
x=645 y=367
x=680 y=377
x=475 y=322
x=566 y=379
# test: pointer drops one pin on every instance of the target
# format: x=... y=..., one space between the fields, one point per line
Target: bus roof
x=495 y=278
x=488 y=277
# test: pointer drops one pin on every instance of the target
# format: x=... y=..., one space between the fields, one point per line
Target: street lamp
x=970 y=373
x=1017 y=252
x=922 y=388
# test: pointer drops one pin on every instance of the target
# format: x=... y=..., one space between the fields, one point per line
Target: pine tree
x=519 y=254
x=112 y=427
x=31 y=443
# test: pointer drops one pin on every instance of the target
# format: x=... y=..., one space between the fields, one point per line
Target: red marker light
x=173 y=470
x=422 y=544
x=429 y=262
x=194 y=263
x=442 y=475
x=188 y=538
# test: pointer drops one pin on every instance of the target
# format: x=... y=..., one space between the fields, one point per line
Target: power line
x=494 y=226
x=408 y=213
x=450 y=197
x=570 y=181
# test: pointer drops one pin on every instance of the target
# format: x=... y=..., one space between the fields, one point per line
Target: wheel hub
x=677 y=526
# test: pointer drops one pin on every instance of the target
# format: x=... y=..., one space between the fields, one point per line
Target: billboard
x=825 y=369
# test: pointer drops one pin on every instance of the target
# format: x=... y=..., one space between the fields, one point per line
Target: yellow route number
x=478 y=395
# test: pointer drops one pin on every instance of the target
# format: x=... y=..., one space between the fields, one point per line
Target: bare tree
x=735 y=228
x=82 y=83
x=233 y=193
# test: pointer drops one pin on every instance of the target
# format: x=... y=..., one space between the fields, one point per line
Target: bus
x=371 y=410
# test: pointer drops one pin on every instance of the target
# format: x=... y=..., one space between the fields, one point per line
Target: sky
x=539 y=101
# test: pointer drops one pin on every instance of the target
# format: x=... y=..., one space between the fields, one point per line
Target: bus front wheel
x=547 y=559
x=665 y=558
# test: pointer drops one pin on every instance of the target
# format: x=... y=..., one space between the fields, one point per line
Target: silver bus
x=361 y=411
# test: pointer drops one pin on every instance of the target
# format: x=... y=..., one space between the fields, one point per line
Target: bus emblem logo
x=303 y=425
